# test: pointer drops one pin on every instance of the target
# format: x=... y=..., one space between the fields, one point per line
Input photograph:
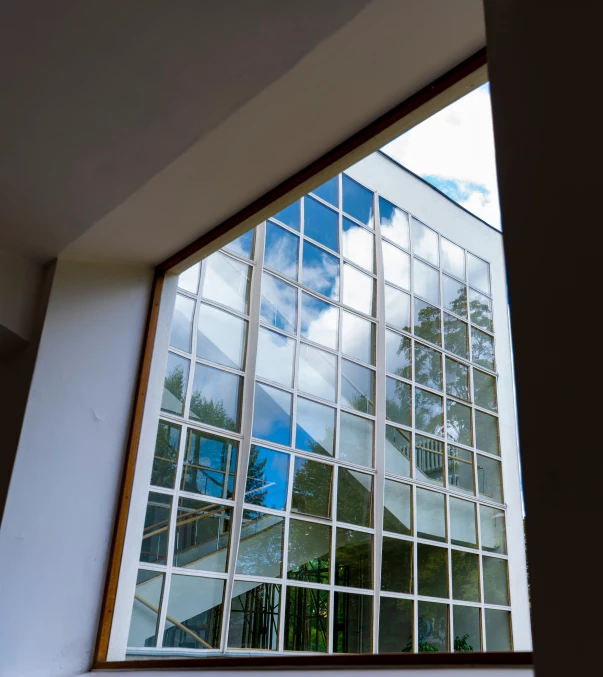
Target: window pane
x=397 y=354
x=492 y=523
x=395 y=625
x=353 y=558
x=156 y=529
x=457 y=379
x=429 y=455
x=356 y=439
x=489 y=478
x=426 y=282
x=353 y=625
x=432 y=571
x=272 y=415
x=460 y=469
x=484 y=390
x=321 y=223
x=210 y=464
x=431 y=515
x=453 y=258
x=455 y=336
x=396 y=565
x=147 y=597
x=357 y=387
x=354 y=498
x=425 y=242
x=312 y=488
x=182 y=323
x=329 y=191
x=428 y=367
x=317 y=372
x=358 y=290
x=289 y=216
x=357 y=201
x=221 y=337
x=482 y=349
x=320 y=271
x=397 y=308
x=226 y=281
x=174 y=384
x=358 y=245
x=429 y=412
x=315 y=427
x=462 y=524
x=398 y=401
x=396 y=265
x=166 y=455
x=261 y=545
x=319 y=321
x=433 y=626
x=465 y=576
x=189 y=279
x=496 y=589
x=281 y=251
x=396 y=508
x=202 y=535
x=394 y=223
x=279 y=304
x=358 y=338
x=397 y=451
x=243 y=245
x=486 y=433
x=498 y=630
x=458 y=426
x=216 y=397
x=275 y=357
x=481 y=310
x=478 y=273
x=254 y=616
x=306 y=619
x=267 y=478
x=196 y=604
x=309 y=552
x=427 y=322
x=454 y=296
x=467 y=631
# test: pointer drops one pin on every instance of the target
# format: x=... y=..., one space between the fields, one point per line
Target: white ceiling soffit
x=190 y=115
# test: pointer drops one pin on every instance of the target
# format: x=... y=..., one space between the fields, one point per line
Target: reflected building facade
x=335 y=457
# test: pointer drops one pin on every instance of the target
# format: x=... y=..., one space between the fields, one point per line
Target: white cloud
x=456 y=146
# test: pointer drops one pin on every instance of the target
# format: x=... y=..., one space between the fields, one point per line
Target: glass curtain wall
x=327 y=470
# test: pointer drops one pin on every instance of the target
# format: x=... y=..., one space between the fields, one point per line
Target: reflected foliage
x=166 y=455
x=427 y=322
x=306 y=619
x=312 y=488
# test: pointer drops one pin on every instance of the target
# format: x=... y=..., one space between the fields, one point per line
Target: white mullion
x=247 y=401
x=415 y=556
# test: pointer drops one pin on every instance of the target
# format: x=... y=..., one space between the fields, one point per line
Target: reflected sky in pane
x=174 y=385
x=281 y=251
x=454 y=295
x=356 y=440
x=358 y=245
x=358 y=338
x=394 y=223
x=319 y=321
x=267 y=478
x=426 y=282
x=425 y=242
x=463 y=531
x=358 y=387
x=221 y=337
x=357 y=201
x=182 y=323
x=272 y=415
x=396 y=265
x=320 y=271
x=321 y=223
x=431 y=515
x=189 y=279
x=358 y=290
x=216 y=397
x=289 y=216
x=486 y=433
x=397 y=308
x=279 y=304
x=478 y=272
x=453 y=258
x=226 y=281
x=315 y=427
x=317 y=372
x=329 y=191
x=275 y=357
x=243 y=245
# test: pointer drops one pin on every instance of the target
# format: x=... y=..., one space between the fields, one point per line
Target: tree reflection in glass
x=428 y=367
x=309 y=556
x=260 y=545
x=215 y=399
x=428 y=322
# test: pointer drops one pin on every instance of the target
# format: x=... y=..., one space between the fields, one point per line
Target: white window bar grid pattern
x=416 y=536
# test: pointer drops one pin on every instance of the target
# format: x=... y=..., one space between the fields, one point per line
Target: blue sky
x=454 y=151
